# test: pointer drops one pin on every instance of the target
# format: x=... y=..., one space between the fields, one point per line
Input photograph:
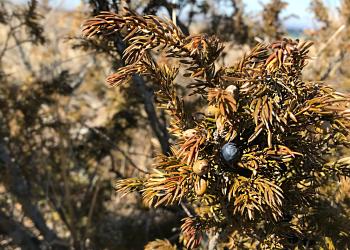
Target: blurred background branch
x=64 y=136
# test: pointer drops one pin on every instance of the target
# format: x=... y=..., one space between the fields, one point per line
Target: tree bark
x=158 y=128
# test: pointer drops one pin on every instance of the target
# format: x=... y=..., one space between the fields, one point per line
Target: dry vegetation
x=247 y=150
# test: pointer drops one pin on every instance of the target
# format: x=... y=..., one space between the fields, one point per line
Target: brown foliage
x=261 y=105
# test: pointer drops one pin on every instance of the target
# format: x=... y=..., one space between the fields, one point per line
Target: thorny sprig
x=160 y=245
x=284 y=128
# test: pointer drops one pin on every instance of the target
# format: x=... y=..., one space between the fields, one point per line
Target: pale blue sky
x=298 y=7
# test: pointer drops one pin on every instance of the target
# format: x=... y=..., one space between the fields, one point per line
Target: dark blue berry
x=230 y=152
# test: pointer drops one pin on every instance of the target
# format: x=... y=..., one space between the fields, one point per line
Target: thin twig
x=103 y=135
x=187 y=211
x=5 y=47
x=340 y=29
x=173 y=14
x=93 y=203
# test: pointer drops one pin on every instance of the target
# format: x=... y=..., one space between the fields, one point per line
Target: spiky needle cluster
x=285 y=129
